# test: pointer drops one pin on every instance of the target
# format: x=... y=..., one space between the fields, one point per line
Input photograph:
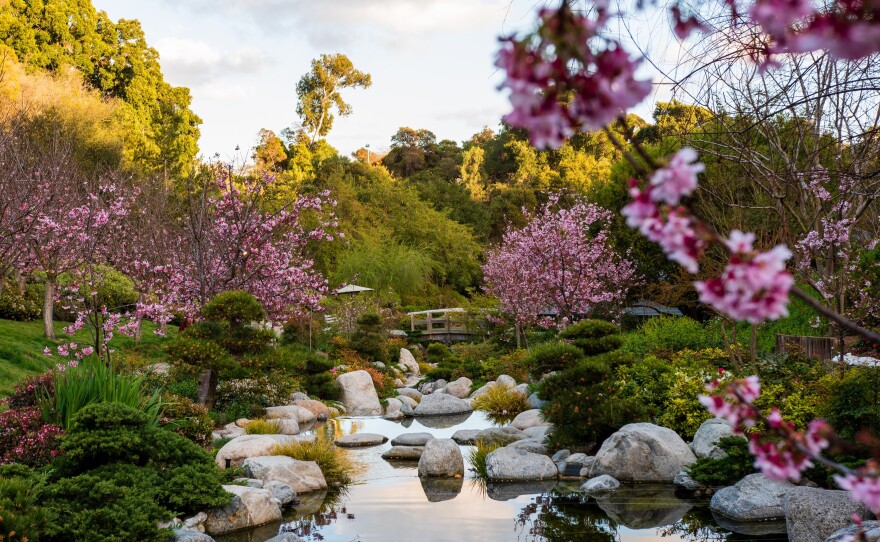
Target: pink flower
x=88 y=351
x=47 y=351
x=863 y=489
x=678 y=178
x=776 y=16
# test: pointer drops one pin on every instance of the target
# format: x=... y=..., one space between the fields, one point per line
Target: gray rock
x=539 y=432
x=249 y=482
x=535 y=402
x=245 y=446
x=358 y=394
x=394 y=410
x=870 y=528
x=460 y=388
x=561 y=455
x=298 y=396
x=379 y=365
x=574 y=464
x=302 y=476
x=302 y=415
x=439 y=385
x=684 y=480
x=527 y=419
x=523 y=389
x=588 y=466
x=416 y=395
x=599 y=485
x=438 y=404
x=190 y=535
x=643 y=452
x=409 y=404
x=482 y=389
x=281 y=491
x=530 y=445
x=444 y=421
x=754 y=498
x=319 y=409
x=501 y=435
x=466 y=436
x=812 y=514
x=409 y=361
x=515 y=464
x=506 y=381
x=359 y=440
x=705 y=443
x=285 y=537
x=249 y=507
x=412 y=439
x=404 y=453
x=441 y=458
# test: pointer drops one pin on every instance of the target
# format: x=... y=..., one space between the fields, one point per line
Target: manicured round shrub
x=553 y=356
x=593 y=336
x=237 y=307
x=725 y=471
x=196 y=355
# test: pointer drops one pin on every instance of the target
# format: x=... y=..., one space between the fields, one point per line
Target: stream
x=389 y=503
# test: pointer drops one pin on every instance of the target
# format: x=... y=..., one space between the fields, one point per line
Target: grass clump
x=335 y=464
x=479 y=453
x=726 y=470
x=262 y=427
x=501 y=401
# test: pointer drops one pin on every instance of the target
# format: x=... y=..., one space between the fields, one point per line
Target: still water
x=389 y=503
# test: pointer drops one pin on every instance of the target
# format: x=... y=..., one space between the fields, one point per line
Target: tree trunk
x=20 y=281
x=207 y=388
x=517 y=336
x=49 y=308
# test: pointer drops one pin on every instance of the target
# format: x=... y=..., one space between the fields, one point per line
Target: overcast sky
x=432 y=62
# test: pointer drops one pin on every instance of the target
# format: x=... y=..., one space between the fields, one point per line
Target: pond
x=389 y=503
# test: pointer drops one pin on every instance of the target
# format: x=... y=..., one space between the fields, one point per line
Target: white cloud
x=194 y=63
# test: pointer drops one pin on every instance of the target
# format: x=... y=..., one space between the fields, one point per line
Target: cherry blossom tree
x=556 y=75
x=561 y=261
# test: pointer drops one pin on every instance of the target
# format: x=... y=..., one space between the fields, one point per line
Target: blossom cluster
x=784 y=453
x=26 y=439
x=567 y=76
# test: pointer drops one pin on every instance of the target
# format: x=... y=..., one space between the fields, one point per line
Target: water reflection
x=441 y=489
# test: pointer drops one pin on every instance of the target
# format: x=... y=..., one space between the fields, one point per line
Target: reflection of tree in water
x=561 y=517
x=311 y=516
x=698 y=526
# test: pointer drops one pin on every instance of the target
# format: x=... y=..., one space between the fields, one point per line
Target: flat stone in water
x=411 y=439
x=358 y=440
x=413 y=453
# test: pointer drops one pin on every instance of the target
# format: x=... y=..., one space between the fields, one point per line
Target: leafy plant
x=26 y=438
x=336 y=465
x=90 y=382
x=187 y=419
x=22 y=516
x=478 y=455
x=727 y=470
x=501 y=401
x=553 y=356
x=262 y=427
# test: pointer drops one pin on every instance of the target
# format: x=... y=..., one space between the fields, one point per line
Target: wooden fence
x=813 y=347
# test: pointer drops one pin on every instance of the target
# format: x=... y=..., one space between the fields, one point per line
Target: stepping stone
x=411 y=453
x=358 y=440
x=466 y=436
x=412 y=439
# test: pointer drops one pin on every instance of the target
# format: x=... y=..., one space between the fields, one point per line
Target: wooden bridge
x=442 y=325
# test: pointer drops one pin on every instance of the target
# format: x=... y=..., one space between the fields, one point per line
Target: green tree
x=319 y=91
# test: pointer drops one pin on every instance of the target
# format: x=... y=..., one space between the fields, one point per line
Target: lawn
x=22 y=344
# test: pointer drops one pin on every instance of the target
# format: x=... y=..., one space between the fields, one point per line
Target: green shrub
x=553 y=356
x=336 y=463
x=593 y=336
x=92 y=382
x=188 y=419
x=583 y=406
x=22 y=516
x=119 y=475
x=668 y=334
x=369 y=339
x=727 y=470
x=236 y=307
x=249 y=397
x=318 y=381
x=437 y=352
x=516 y=364
x=501 y=402
x=853 y=403
x=195 y=354
x=262 y=427
x=22 y=307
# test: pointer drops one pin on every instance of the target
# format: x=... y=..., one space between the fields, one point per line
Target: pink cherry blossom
x=678 y=178
x=863 y=488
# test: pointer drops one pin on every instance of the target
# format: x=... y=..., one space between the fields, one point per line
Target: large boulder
x=184 y=534
x=394 y=410
x=812 y=514
x=302 y=476
x=302 y=415
x=527 y=419
x=705 y=443
x=438 y=404
x=281 y=491
x=358 y=394
x=245 y=446
x=441 y=457
x=536 y=446
x=516 y=464
x=409 y=361
x=506 y=381
x=643 y=452
x=319 y=409
x=460 y=388
x=249 y=507
x=754 y=498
